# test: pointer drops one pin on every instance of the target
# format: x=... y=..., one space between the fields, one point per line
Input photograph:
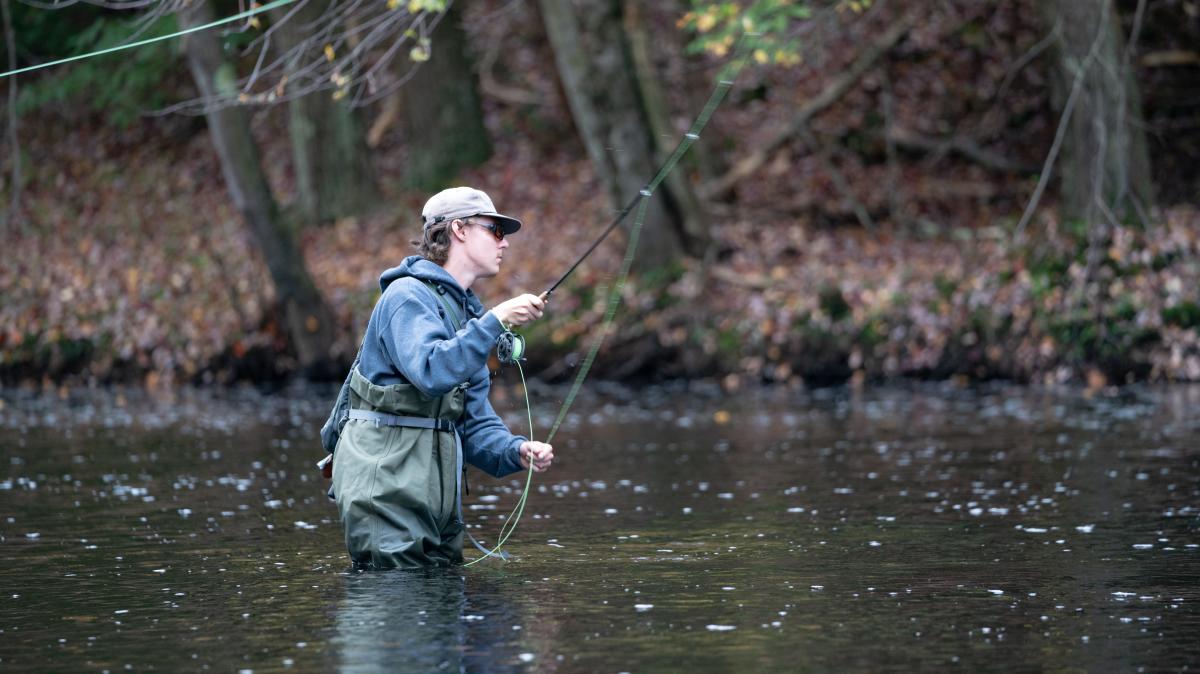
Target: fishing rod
x=510 y=347
x=642 y=194
x=724 y=83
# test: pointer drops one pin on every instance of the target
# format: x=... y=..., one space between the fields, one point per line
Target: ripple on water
x=242 y=534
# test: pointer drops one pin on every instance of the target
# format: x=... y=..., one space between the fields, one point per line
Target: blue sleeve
x=487 y=442
x=420 y=346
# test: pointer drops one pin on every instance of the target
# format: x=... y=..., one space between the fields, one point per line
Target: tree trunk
x=442 y=115
x=308 y=319
x=599 y=75
x=1105 y=165
x=329 y=149
x=692 y=217
x=12 y=221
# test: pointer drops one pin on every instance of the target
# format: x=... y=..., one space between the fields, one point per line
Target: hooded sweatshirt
x=408 y=340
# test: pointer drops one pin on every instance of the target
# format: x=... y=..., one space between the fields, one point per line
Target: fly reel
x=510 y=348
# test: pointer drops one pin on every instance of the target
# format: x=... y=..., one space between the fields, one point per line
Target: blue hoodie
x=407 y=340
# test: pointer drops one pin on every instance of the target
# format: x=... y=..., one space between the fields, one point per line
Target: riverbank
x=859 y=262
x=147 y=276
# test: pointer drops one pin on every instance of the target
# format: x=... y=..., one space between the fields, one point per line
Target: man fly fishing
x=421 y=380
x=418 y=393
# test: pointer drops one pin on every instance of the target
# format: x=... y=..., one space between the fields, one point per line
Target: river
x=909 y=527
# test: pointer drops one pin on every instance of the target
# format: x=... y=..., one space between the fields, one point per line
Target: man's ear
x=456 y=228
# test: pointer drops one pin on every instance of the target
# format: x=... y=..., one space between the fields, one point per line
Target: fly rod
x=724 y=82
x=642 y=194
x=511 y=347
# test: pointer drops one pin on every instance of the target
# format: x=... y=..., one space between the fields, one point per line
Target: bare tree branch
x=893 y=162
x=106 y=4
x=838 y=87
x=1170 y=57
x=1025 y=59
x=348 y=50
x=822 y=153
x=967 y=147
x=1126 y=66
x=493 y=88
x=1061 y=132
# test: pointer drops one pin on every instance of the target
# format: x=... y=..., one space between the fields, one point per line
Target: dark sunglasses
x=496 y=230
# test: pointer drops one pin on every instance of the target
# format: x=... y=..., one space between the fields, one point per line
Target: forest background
x=945 y=189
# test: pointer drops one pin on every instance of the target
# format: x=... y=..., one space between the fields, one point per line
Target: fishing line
x=236 y=17
x=510 y=524
x=724 y=83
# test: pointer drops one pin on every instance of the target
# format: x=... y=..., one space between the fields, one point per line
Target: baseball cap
x=464 y=202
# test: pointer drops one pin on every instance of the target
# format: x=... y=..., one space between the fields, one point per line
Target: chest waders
x=397 y=472
x=394 y=476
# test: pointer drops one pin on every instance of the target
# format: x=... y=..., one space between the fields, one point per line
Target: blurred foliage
x=137 y=267
x=718 y=25
x=121 y=86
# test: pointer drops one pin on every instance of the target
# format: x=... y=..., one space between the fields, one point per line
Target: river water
x=918 y=527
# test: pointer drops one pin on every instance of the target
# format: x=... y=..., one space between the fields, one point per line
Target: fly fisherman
x=419 y=394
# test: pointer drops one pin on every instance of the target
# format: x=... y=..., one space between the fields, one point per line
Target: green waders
x=397 y=485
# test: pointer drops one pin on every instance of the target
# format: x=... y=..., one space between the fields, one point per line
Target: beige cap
x=464 y=202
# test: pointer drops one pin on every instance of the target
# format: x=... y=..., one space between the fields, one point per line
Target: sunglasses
x=496 y=230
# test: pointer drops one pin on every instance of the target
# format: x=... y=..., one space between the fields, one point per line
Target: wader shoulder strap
x=456 y=325
x=451 y=312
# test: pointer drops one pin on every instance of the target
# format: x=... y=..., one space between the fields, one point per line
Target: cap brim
x=510 y=225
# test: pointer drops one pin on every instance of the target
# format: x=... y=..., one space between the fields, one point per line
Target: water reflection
x=905 y=528
x=425 y=621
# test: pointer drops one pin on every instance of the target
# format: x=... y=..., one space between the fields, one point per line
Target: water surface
x=913 y=527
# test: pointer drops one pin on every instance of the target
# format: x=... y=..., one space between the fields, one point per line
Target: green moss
x=659 y=278
x=1051 y=266
x=833 y=303
x=74 y=351
x=1125 y=309
x=1185 y=315
x=1163 y=261
x=873 y=333
x=729 y=342
x=945 y=287
x=1083 y=339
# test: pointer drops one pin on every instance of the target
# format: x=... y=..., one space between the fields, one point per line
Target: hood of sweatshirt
x=421 y=269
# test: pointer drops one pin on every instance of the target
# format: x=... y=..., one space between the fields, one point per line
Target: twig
x=490 y=87
x=106 y=4
x=1025 y=59
x=1170 y=57
x=347 y=49
x=839 y=179
x=893 y=163
x=388 y=114
x=751 y=281
x=1124 y=76
x=964 y=146
x=1063 y=122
